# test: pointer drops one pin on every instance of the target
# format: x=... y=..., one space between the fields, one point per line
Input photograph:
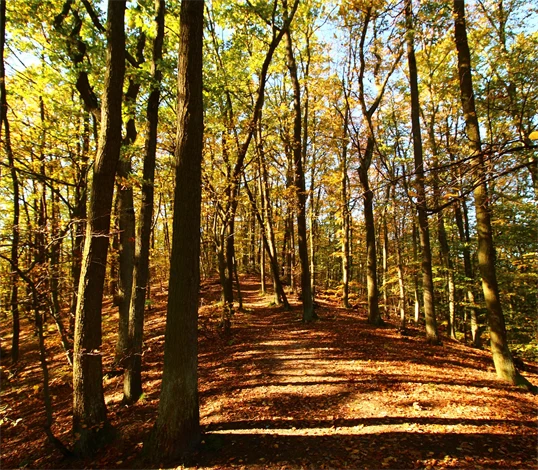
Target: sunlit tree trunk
x=79 y=214
x=126 y=220
x=374 y=315
x=462 y=222
x=300 y=188
x=424 y=233
x=346 y=216
x=502 y=358
x=416 y=286
x=264 y=218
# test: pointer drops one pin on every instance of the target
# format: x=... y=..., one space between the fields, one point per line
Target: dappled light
x=273 y=392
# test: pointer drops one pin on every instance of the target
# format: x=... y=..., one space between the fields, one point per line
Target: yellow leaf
x=533 y=135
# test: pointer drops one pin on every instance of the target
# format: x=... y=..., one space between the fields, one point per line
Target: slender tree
x=132 y=388
x=432 y=335
x=300 y=188
x=502 y=358
x=90 y=423
x=4 y=122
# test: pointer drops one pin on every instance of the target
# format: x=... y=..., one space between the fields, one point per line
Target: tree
x=132 y=388
x=424 y=232
x=299 y=182
x=14 y=260
x=502 y=358
x=177 y=428
x=90 y=423
x=369 y=15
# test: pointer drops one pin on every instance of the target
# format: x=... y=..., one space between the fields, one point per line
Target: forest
x=283 y=234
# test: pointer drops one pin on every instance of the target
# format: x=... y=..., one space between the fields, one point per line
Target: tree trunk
x=299 y=181
x=268 y=243
x=502 y=358
x=126 y=224
x=346 y=216
x=416 y=287
x=90 y=423
x=385 y=256
x=4 y=121
x=126 y=214
x=401 y=283
x=447 y=262
x=79 y=216
x=462 y=222
x=177 y=429
x=132 y=384
x=424 y=233
x=374 y=315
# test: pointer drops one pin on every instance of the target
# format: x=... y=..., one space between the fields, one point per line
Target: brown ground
x=279 y=394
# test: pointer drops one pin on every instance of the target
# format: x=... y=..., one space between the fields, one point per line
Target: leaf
x=533 y=135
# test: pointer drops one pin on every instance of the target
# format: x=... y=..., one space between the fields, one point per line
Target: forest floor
x=279 y=394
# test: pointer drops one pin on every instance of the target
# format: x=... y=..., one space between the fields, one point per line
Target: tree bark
x=374 y=315
x=177 y=429
x=502 y=358
x=79 y=216
x=300 y=188
x=268 y=243
x=15 y=236
x=432 y=335
x=132 y=385
x=90 y=423
x=346 y=216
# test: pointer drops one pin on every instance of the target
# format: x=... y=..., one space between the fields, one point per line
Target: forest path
x=338 y=393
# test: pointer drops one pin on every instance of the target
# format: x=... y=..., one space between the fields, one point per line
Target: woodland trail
x=341 y=394
x=279 y=394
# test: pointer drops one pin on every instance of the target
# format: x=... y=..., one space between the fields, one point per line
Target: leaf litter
x=279 y=394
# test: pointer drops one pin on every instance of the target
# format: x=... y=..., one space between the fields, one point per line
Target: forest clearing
x=278 y=394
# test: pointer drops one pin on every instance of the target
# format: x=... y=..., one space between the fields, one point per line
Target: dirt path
x=340 y=394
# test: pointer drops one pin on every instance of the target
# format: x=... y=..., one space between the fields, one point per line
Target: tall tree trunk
x=385 y=255
x=126 y=212
x=502 y=358
x=265 y=220
x=366 y=157
x=132 y=385
x=346 y=216
x=300 y=188
x=263 y=288
x=269 y=245
x=462 y=222
x=177 y=429
x=424 y=233
x=15 y=236
x=90 y=423
x=79 y=216
x=126 y=249
x=446 y=257
x=374 y=315
x=401 y=283
x=416 y=287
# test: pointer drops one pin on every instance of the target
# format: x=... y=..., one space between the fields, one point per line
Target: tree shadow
x=394 y=450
